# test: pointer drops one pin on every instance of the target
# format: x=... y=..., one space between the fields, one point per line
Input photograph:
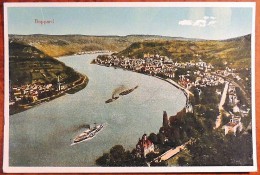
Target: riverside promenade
x=180 y=87
x=170 y=153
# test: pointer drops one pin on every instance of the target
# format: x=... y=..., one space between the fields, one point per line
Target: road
x=180 y=87
x=245 y=93
x=223 y=97
x=220 y=107
x=171 y=152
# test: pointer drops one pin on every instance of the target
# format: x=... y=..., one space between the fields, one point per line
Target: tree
x=182 y=161
x=153 y=137
x=117 y=155
x=103 y=160
x=161 y=138
x=161 y=163
x=151 y=156
x=216 y=149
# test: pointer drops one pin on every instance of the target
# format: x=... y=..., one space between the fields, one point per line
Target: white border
x=131 y=4
x=8 y=169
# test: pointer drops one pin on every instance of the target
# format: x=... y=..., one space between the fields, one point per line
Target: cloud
x=185 y=22
x=200 y=23
x=206 y=17
x=203 y=22
x=212 y=23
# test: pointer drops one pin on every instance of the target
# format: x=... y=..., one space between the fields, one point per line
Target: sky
x=189 y=22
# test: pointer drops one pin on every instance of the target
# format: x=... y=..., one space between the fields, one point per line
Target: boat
x=125 y=92
x=112 y=99
x=88 y=134
x=109 y=100
x=128 y=91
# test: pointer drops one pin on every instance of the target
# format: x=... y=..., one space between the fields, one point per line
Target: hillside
x=60 y=45
x=28 y=65
x=234 y=52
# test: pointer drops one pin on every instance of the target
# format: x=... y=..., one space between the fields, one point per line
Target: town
x=194 y=77
x=26 y=96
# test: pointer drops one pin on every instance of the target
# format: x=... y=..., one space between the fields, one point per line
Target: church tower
x=59 y=83
x=165 y=119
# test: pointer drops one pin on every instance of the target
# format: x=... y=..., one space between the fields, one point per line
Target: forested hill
x=235 y=52
x=28 y=64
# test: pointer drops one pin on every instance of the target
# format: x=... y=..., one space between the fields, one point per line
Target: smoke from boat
x=78 y=127
x=119 y=90
x=85 y=126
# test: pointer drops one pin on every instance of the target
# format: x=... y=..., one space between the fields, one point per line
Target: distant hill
x=28 y=64
x=245 y=37
x=235 y=52
x=60 y=45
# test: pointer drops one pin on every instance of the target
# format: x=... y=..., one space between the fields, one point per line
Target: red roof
x=144 y=143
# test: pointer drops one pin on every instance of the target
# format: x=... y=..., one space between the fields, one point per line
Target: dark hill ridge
x=36 y=77
x=28 y=65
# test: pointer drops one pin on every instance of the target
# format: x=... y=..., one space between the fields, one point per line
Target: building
x=188 y=108
x=144 y=146
x=233 y=126
x=165 y=119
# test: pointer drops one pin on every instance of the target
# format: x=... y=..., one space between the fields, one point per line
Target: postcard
x=129 y=87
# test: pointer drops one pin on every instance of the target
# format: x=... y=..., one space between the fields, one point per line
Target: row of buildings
x=194 y=74
x=153 y=65
x=31 y=93
x=157 y=65
x=235 y=124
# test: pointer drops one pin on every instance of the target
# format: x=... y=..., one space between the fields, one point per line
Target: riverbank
x=85 y=53
x=186 y=92
x=77 y=85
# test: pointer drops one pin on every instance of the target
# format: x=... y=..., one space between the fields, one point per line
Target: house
x=218 y=91
x=189 y=108
x=144 y=146
x=233 y=126
x=236 y=109
x=232 y=98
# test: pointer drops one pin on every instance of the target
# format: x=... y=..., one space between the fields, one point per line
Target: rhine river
x=41 y=136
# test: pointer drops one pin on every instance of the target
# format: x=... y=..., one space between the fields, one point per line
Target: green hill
x=234 y=52
x=28 y=64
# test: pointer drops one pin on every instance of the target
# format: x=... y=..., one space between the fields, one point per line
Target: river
x=41 y=136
